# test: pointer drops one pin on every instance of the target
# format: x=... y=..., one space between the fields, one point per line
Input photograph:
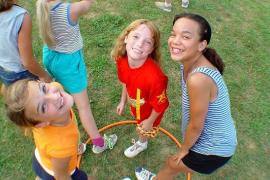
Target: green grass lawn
x=240 y=35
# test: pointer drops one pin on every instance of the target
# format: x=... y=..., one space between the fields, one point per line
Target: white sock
x=143 y=143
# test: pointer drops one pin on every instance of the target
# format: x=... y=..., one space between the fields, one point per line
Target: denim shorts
x=9 y=77
x=41 y=173
x=67 y=69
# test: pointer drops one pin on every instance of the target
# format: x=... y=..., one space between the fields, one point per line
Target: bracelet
x=151 y=133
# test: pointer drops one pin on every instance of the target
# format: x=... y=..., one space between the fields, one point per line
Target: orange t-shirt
x=58 y=142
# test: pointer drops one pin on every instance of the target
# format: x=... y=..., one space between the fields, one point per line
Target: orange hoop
x=126 y=122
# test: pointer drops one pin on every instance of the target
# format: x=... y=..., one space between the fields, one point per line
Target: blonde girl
x=63 y=58
x=45 y=108
x=137 y=55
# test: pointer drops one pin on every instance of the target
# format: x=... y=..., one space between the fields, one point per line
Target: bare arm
x=78 y=9
x=148 y=123
x=26 y=53
x=123 y=100
x=199 y=96
x=60 y=168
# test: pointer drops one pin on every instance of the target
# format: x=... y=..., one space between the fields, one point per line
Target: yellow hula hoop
x=126 y=122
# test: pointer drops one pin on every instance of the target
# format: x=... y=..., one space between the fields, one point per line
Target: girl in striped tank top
x=209 y=135
x=63 y=58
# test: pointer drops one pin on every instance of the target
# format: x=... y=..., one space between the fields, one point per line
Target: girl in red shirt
x=137 y=55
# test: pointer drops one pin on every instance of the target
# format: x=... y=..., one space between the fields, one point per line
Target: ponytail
x=44 y=23
x=214 y=58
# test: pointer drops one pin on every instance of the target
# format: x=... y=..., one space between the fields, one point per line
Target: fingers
x=179 y=159
x=119 y=110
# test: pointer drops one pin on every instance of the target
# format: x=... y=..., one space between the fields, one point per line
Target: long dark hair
x=5 y=5
x=205 y=34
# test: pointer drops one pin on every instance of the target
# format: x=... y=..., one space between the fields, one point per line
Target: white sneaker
x=135 y=149
x=185 y=3
x=143 y=174
x=164 y=6
x=109 y=142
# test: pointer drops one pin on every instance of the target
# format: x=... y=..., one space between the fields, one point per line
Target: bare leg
x=3 y=88
x=172 y=169
x=91 y=178
x=142 y=138
x=82 y=102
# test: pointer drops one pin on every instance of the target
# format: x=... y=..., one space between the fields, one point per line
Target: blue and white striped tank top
x=67 y=33
x=218 y=136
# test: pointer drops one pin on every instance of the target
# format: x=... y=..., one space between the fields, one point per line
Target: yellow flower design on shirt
x=162 y=97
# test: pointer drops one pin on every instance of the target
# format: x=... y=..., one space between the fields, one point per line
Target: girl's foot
x=81 y=148
x=135 y=149
x=109 y=142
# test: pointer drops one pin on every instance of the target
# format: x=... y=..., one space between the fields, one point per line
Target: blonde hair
x=119 y=48
x=44 y=23
x=15 y=98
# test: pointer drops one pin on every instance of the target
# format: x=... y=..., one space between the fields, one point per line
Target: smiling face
x=139 y=44
x=184 y=42
x=46 y=102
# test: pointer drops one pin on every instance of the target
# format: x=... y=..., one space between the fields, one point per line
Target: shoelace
x=135 y=145
x=147 y=175
x=109 y=141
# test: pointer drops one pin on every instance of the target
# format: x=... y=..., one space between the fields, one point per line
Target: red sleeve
x=158 y=95
x=120 y=69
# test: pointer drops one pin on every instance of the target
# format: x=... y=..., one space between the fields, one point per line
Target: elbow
x=196 y=128
x=89 y=3
x=29 y=64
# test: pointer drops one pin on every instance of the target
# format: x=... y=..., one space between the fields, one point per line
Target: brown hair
x=205 y=34
x=15 y=98
x=119 y=48
x=6 y=5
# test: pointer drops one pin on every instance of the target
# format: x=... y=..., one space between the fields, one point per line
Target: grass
x=240 y=35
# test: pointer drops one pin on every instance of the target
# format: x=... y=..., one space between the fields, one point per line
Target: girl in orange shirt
x=46 y=109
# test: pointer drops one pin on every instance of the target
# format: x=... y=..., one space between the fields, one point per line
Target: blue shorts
x=67 y=69
x=9 y=77
x=41 y=173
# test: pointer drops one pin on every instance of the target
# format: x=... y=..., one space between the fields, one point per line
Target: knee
x=171 y=164
x=175 y=166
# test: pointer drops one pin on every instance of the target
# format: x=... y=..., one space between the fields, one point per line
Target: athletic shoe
x=109 y=142
x=143 y=174
x=81 y=148
x=185 y=3
x=135 y=149
x=164 y=6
